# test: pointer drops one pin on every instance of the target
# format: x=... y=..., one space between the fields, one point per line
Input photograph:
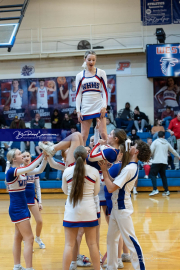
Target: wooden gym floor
x=156 y=221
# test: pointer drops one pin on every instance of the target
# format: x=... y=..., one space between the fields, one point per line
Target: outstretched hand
x=103 y=165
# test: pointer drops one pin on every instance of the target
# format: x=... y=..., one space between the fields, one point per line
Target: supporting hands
x=103 y=112
x=80 y=117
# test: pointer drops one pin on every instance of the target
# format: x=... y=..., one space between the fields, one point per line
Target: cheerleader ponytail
x=10 y=156
x=84 y=65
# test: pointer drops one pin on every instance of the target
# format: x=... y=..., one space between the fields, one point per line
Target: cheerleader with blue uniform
x=16 y=180
x=34 y=204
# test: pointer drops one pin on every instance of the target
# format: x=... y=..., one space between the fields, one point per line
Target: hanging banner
x=176 y=11
x=156 y=12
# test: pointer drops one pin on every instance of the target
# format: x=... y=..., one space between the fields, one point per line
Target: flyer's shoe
x=49 y=149
x=120 y=264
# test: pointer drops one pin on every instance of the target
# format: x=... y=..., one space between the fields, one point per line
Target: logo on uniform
x=27 y=70
x=166 y=63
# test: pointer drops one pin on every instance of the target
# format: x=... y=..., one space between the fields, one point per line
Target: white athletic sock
x=16 y=266
x=38 y=238
x=135 y=190
x=29 y=268
x=119 y=260
x=126 y=254
x=73 y=264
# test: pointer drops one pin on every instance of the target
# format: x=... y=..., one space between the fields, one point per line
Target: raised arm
x=8 y=100
x=32 y=87
x=38 y=188
x=56 y=165
x=40 y=169
x=157 y=95
x=64 y=96
x=52 y=89
x=30 y=167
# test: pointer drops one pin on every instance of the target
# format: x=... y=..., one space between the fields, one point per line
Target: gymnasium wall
x=135 y=88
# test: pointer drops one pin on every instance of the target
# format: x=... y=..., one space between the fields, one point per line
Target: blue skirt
x=30 y=194
x=18 y=209
x=79 y=224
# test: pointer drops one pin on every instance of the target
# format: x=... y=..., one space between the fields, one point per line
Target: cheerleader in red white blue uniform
x=91 y=96
x=34 y=205
x=81 y=184
x=16 y=179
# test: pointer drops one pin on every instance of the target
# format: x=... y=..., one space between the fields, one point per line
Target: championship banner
x=163 y=60
x=176 y=11
x=26 y=97
x=156 y=12
x=166 y=93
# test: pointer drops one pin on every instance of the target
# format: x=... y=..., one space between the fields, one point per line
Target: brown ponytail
x=125 y=157
x=120 y=134
x=76 y=194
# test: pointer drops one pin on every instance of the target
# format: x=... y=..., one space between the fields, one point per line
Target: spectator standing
x=156 y=128
x=109 y=126
x=159 y=150
x=125 y=118
x=17 y=123
x=37 y=122
x=147 y=165
x=174 y=129
x=167 y=116
x=140 y=119
x=149 y=141
x=56 y=119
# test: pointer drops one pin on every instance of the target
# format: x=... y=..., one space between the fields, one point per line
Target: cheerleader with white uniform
x=81 y=184
x=34 y=205
x=120 y=219
x=91 y=96
x=16 y=179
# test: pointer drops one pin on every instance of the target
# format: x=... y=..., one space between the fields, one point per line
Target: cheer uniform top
x=84 y=214
x=42 y=98
x=169 y=97
x=98 y=153
x=121 y=198
x=32 y=184
x=113 y=172
x=16 y=100
x=16 y=179
x=91 y=94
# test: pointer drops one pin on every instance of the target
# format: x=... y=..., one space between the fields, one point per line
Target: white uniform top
x=72 y=98
x=86 y=209
x=91 y=94
x=16 y=100
x=169 y=97
x=42 y=98
x=125 y=180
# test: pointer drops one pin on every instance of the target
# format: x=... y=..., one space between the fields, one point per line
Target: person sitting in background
x=109 y=126
x=140 y=119
x=73 y=129
x=2 y=159
x=56 y=119
x=167 y=116
x=67 y=123
x=17 y=123
x=37 y=122
x=74 y=117
x=156 y=128
x=125 y=118
x=134 y=136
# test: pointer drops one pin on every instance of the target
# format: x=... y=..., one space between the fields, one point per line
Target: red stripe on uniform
x=29 y=164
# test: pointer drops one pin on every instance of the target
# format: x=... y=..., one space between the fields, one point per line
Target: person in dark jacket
x=134 y=136
x=140 y=119
x=67 y=123
x=37 y=122
x=56 y=119
x=17 y=123
x=74 y=117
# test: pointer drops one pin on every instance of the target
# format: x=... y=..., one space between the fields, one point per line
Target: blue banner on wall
x=163 y=60
x=156 y=12
x=176 y=11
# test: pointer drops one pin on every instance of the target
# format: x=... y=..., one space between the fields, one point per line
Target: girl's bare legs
x=85 y=127
x=102 y=129
x=79 y=239
x=25 y=230
x=90 y=233
x=38 y=218
x=17 y=246
x=125 y=249
x=70 y=241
